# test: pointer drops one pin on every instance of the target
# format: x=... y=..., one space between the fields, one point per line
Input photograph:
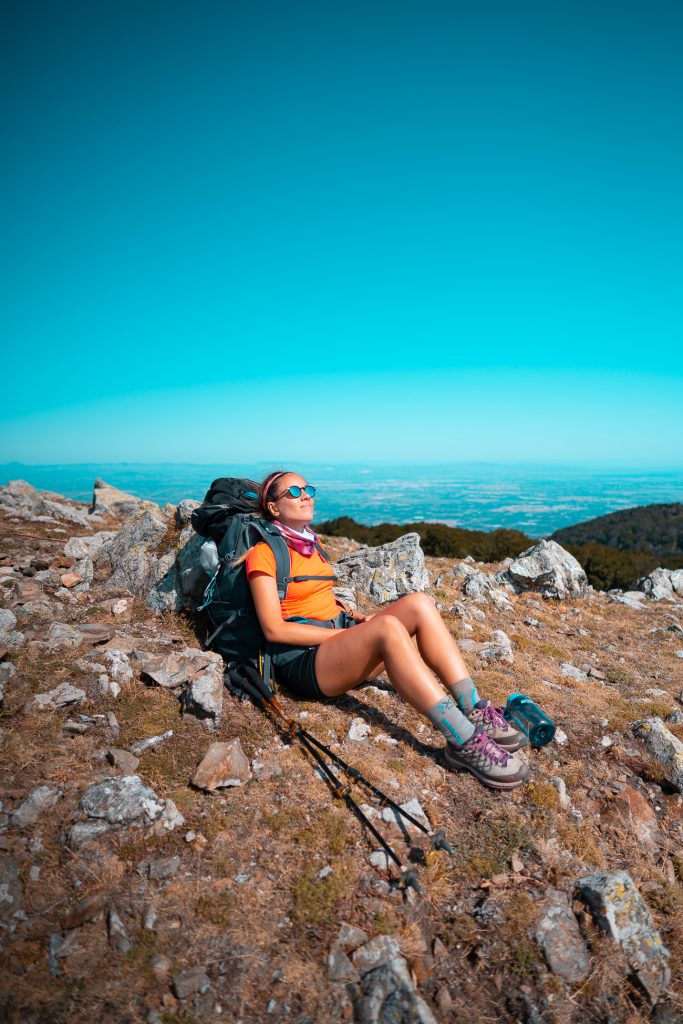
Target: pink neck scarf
x=304 y=543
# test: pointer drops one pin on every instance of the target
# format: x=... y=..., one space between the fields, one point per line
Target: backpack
x=229 y=518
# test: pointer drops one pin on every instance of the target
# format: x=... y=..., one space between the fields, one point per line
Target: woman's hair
x=266 y=491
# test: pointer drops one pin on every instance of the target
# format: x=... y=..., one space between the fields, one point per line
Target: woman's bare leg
x=419 y=615
x=346 y=660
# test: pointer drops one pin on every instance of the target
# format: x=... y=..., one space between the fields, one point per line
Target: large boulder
x=551 y=570
x=138 y=553
x=110 y=499
x=662 y=584
x=148 y=558
x=386 y=572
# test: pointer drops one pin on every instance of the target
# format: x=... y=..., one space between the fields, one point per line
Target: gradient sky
x=297 y=231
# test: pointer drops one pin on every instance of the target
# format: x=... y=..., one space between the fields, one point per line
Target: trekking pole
x=437 y=838
x=260 y=692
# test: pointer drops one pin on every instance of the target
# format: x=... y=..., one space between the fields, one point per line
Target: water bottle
x=528 y=717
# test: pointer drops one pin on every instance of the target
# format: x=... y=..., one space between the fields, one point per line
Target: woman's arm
x=269 y=611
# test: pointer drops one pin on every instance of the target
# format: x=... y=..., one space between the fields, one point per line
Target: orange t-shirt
x=311 y=599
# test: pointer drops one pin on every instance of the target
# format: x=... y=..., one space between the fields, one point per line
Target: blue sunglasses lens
x=296 y=491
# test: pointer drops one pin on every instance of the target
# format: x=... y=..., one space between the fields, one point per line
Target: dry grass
x=264 y=845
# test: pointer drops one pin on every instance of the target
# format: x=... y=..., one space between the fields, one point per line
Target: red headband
x=269 y=483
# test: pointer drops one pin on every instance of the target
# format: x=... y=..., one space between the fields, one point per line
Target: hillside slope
x=656 y=529
x=240 y=912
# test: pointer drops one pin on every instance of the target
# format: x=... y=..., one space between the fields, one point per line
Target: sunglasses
x=295 y=491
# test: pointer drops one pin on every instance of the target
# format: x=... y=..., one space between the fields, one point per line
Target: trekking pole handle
x=241 y=683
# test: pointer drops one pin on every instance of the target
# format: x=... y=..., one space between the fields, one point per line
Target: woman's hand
x=358 y=616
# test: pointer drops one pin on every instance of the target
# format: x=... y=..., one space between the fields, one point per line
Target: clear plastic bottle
x=527 y=716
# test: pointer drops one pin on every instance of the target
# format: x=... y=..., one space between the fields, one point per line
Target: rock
x=162 y=867
x=118 y=937
x=85 y=910
x=124 y=800
x=572 y=672
x=560 y=786
x=548 y=568
x=632 y=599
x=123 y=760
x=350 y=937
x=662 y=584
x=375 y=953
x=631 y=810
x=61 y=635
x=267 y=769
x=664 y=747
x=60 y=697
x=184 y=580
x=561 y=738
x=558 y=934
x=9 y=637
x=7 y=671
x=340 y=967
x=150 y=743
x=95 y=632
x=347 y=596
x=86 y=547
x=499 y=648
x=133 y=552
x=184 y=511
x=224 y=764
x=386 y=572
x=111 y=500
x=176 y=669
x=112 y=724
x=118 y=666
x=676 y=717
x=11 y=892
x=36 y=803
x=388 y=996
x=203 y=697
x=190 y=982
x=484 y=589
x=70 y=579
x=359 y=731
x=620 y=910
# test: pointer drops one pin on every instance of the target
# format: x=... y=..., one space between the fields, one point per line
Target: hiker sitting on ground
x=315 y=664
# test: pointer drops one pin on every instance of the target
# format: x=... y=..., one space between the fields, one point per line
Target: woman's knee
x=390 y=631
x=419 y=606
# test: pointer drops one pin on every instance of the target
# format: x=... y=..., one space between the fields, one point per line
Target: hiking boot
x=495 y=767
x=496 y=726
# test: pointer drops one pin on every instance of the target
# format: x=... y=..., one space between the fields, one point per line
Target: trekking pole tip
x=439 y=841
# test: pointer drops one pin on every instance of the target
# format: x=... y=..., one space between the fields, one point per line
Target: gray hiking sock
x=464 y=693
x=445 y=717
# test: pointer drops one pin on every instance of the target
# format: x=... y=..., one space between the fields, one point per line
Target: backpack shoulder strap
x=278 y=545
x=321 y=551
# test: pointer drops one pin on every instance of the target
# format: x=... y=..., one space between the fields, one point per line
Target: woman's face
x=294 y=512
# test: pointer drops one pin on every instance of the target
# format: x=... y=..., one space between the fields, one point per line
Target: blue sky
x=307 y=231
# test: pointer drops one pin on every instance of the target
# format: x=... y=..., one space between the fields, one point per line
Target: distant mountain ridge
x=656 y=529
x=615 y=550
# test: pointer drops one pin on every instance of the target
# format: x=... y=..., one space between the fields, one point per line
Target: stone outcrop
x=165 y=572
x=386 y=572
x=662 y=585
x=22 y=501
x=549 y=569
x=110 y=499
x=661 y=743
x=620 y=911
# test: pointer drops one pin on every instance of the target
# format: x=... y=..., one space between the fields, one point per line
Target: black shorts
x=295 y=666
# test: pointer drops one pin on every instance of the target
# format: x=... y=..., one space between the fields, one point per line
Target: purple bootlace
x=493 y=716
x=481 y=743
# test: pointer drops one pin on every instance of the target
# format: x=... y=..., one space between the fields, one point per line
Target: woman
x=317 y=663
